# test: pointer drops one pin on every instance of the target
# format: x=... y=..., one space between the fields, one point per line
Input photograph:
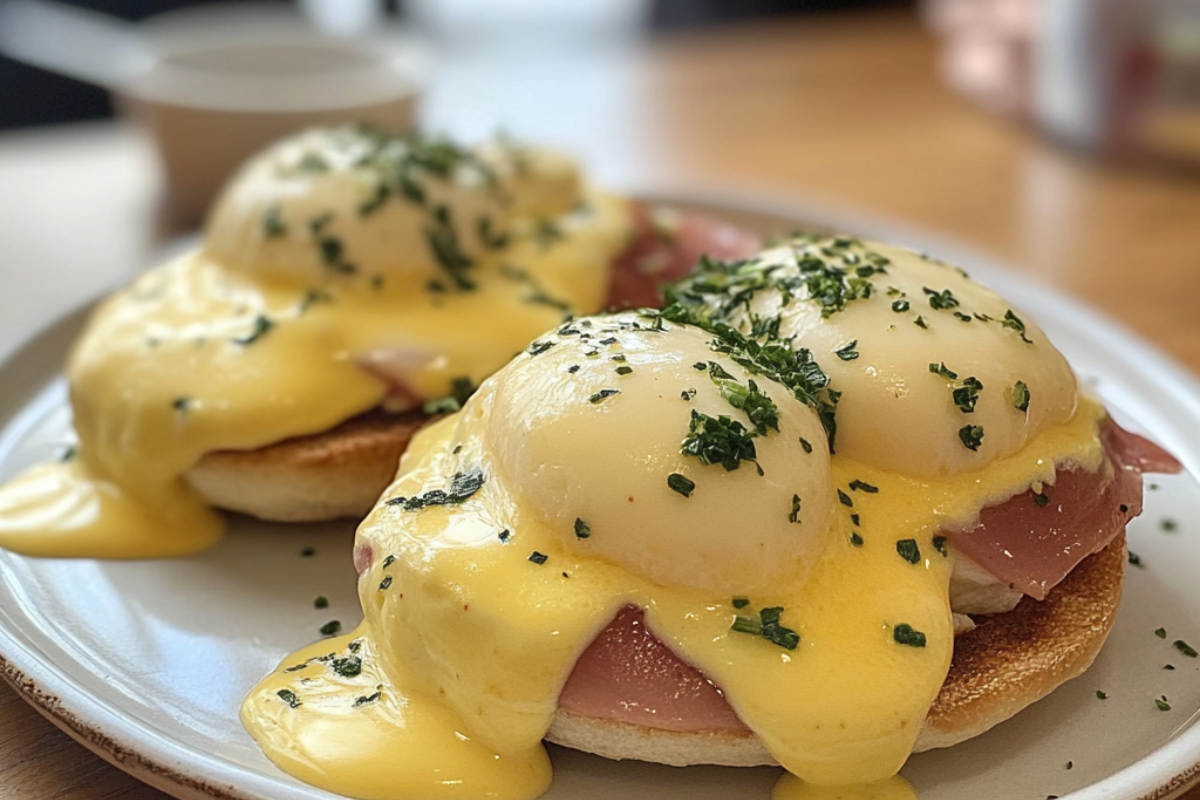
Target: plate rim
x=168 y=765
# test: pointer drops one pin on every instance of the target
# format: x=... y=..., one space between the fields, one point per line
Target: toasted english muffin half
x=336 y=473
x=1006 y=663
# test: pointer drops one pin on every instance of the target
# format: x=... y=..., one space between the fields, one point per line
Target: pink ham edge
x=654 y=259
x=1032 y=548
x=628 y=675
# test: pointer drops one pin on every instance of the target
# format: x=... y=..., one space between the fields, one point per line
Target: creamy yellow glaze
x=790 y=787
x=269 y=331
x=462 y=612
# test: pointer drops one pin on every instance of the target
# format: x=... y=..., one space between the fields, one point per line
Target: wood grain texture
x=848 y=109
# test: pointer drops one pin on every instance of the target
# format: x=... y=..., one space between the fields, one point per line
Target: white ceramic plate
x=147 y=662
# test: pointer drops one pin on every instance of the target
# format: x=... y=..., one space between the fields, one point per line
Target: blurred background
x=1061 y=135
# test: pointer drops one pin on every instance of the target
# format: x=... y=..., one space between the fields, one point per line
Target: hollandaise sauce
x=341 y=270
x=626 y=460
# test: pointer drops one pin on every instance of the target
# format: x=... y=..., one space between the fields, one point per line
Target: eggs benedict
x=674 y=536
x=350 y=285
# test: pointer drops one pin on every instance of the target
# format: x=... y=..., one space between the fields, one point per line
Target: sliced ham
x=628 y=675
x=666 y=246
x=1032 y=542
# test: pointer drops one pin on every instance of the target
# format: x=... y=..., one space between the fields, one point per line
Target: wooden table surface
x=845 y=110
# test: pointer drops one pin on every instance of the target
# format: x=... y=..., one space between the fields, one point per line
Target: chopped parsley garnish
x=1162 y=704
x=442 y=239
x=68 y=455
x=182 y=404
x=962 y=316
x=1185 y=648
x=321 y=602
x=1021 y=396
x=971 y=436
x=768 y=627
x=624 y=369
x=794 y=516
x=909 y=550
x=966 y=395
x=386 y=583
x=680 y=483
x=700 y=365
x=844 y=499
x=582 y=529
x=332 y=251
x=908 y=635
x=1135 y=559
x=461 y=389
x=939 y=544
x=855 y=519
x=941 y=301
x=1101 y=695
x=1041 y=499
x=261 y=325
x=1169 y=525
x=462 y=486
x=538 y=558
x=900 y=306
x=603 y=395
x=740 y=602
x=272 y=222
x=847 y=352
x=367 y=699
x=921 y=323
x=308 y=552
x=856 y=539
x=1011 y=320
x=289 y=697
x=806 y=445
x=719 y=440
x=862 y=486
x=331 y=628
x=387 y=562
x=537 y=348
x=944 y=371
x=1161 y=633
x=573 y=369
x=347 y=667
x=687 y=394
x=759 y=408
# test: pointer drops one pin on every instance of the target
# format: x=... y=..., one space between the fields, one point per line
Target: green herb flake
x=321 y=602
x=847 y=352
x=367 y=700
x=1161 y=633
x=687 y=394
x=862 y=486
x=1041 y=499
x=582 y=529
x=603 y=395
x=794 y=516
x=1021 y=396
x=719 y=440
x=967 y=395
x=804 y=443
x=909 y=550
x=908 y=635
x=921 y=323
x=331 y=628
x=1135 y=560
x=538 y=558
x=971 y=436
x=740 y=602
x=856 y=540
x=537 y=348
x=944 y=371
x=844 y=499
x=900 y=306
x=386 y=583
x=261 y=326
x=1101 y=695
x=1169 y=525
x=768 y=626
x=1014 y=322
x=939 y=544
x=941 y=301
x=289 y=697
x=1162 y=704
x=681 y=484
x=1185 y=648
x=462 y=487
x=347 y=667
x=855 y=519
x=273 y=225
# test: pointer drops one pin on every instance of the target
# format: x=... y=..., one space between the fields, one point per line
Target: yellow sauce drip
x=790 y=787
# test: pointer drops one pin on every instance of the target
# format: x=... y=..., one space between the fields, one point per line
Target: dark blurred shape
x=33 y=96
x=671 y=14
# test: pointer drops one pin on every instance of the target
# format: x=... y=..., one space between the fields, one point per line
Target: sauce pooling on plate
x=631 y=460
x=341 y=270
